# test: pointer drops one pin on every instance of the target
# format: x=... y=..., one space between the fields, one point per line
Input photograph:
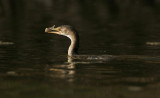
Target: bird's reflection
x=65 y=71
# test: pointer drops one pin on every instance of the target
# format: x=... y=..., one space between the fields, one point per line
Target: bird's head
x=64 y=30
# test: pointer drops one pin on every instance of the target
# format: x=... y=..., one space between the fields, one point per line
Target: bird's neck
x=73 y=48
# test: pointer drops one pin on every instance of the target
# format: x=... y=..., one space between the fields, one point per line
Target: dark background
x=97 y=21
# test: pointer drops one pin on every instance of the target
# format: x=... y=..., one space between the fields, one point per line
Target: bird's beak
x=55 y=30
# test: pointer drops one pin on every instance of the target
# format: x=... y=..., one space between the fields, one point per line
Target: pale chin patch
x=69 y=37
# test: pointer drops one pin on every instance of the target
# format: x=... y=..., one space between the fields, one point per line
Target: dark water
x=34 y=64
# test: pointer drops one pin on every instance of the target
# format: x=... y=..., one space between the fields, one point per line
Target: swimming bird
x=72 y=34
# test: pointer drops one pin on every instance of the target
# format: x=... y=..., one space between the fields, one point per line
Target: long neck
x=73 y=48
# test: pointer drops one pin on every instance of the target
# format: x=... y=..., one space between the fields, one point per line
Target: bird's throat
x=73 y=48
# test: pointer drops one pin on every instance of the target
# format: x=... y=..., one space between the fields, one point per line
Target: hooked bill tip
x=46 y=30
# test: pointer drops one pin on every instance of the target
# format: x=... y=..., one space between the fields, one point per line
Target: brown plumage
x=69 y=32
